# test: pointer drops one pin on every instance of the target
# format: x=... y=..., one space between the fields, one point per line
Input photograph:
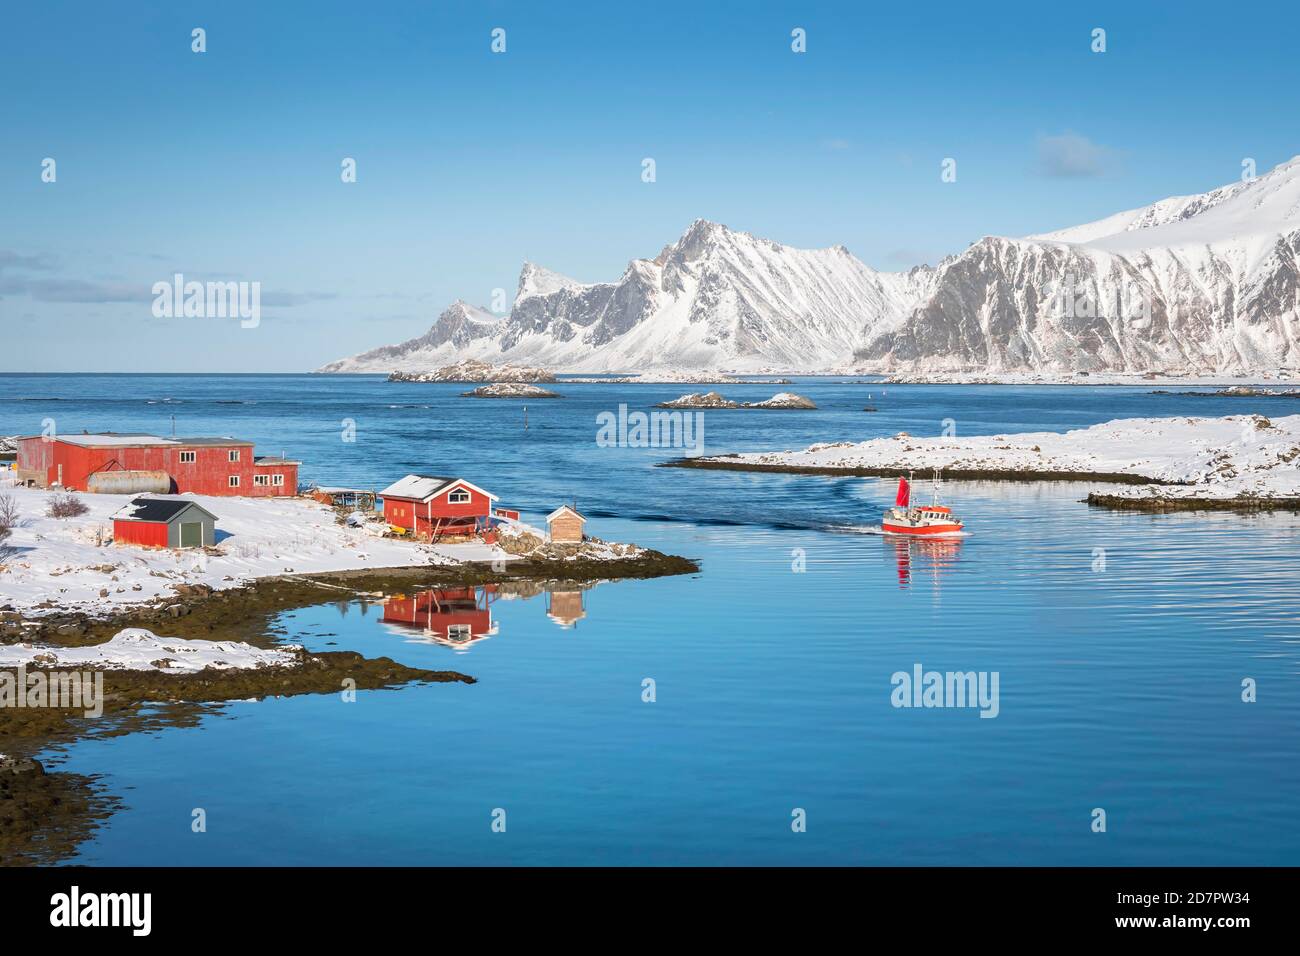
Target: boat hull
x=927 y=529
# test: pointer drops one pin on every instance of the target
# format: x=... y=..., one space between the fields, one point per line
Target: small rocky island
x=716 y=400
x=510 y=390
x=1239 y=391
x=472 y=370
x=677 y=377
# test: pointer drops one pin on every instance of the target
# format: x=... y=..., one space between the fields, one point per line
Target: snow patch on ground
x=524 y=540
x=139 y=649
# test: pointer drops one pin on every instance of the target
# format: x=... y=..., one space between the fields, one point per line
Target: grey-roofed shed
x=165 y=521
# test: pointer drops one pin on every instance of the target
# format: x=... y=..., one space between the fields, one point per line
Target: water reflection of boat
x=456 y=617
x=935 y=554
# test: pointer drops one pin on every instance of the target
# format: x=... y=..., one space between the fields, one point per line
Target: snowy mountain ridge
x=1191 y=285
x=715 y=297
x=1208 y=283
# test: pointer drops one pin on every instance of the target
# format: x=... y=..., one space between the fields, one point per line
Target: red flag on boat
x=903 y=493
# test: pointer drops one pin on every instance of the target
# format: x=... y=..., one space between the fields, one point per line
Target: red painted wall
x=414 y=515
x=150 y=534
x=208 y=474
x=438 y=610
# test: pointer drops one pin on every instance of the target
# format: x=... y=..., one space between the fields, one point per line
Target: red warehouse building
x=126 y=464
x=431 y=507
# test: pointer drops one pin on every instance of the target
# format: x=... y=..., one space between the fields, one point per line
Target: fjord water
x=1121 y=642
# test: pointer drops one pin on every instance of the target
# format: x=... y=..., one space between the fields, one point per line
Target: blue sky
x=226 y=164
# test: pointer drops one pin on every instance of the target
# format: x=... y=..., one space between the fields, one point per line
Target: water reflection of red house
x=456 y=616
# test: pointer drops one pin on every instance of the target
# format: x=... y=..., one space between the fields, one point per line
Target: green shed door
x=191 y=534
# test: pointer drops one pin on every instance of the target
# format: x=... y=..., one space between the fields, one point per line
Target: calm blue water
x=1119 y=686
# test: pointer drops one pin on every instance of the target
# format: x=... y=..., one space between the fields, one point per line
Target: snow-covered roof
x=114 y=439
x=158 y=508
x=415 y=486
x=221 y=441
x=562 y=509
x=424 y=487
x=137 y=439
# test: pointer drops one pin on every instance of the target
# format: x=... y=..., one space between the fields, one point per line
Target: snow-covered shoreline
x=1132 y=379
x=474 y=372
x=1238 y=457
x=59 y=566
x=71 y=564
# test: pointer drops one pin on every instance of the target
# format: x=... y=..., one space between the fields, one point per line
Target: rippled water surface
x=1121 y=642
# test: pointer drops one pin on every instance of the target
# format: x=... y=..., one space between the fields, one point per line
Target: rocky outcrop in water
x=716 y=400
x=472 y=371
x=510 y=390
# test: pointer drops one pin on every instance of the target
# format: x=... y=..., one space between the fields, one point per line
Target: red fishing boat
x=931 y=519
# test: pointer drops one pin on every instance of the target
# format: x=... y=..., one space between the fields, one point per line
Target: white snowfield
x=71 y=562
x=1236 y=456
x=138 y=649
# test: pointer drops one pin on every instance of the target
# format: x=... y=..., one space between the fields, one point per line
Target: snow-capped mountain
x=1198 y=284
x=458 y=330
x=715 y=298
x=1207 y=283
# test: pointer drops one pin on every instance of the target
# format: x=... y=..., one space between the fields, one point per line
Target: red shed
x=432 y=507
x=127 y=463
x=165 y=522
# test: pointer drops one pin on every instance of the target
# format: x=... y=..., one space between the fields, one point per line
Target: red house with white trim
x=432 y=507
x=110 y=462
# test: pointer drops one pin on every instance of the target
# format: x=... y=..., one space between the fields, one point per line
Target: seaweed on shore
x=735 y=463
x=1157 y=503
x=46 y=815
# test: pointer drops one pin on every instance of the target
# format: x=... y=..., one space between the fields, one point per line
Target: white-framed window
x=459 y=632
x=458 y=497
x=277 y=480
x=188 y=457
x=234 y=481
x=261 y=479
x=233 y=454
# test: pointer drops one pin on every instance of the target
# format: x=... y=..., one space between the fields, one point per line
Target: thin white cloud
x=1072 y=156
